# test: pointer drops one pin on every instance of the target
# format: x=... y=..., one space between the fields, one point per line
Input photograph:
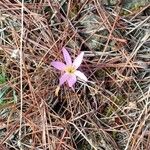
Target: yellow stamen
x=70 y=70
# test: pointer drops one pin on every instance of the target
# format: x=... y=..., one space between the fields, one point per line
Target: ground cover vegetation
x=109 y=109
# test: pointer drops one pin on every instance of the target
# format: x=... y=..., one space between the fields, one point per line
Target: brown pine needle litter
x=110 y=111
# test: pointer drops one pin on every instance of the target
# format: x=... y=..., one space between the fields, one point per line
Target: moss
x=100 y=73
x=132 y=6
x=74 y=11
x=5 y=90
x=2 y=78
x=119 y=100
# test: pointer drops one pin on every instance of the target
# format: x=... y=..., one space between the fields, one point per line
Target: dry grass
x=111 y=111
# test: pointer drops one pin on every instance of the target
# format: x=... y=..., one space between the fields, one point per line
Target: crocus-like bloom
x=69 y=69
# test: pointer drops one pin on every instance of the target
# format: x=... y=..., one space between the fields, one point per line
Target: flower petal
x=78 y=60
x=58 y=65
x=80 y=75
x=66 y=56
x=72 y=80
x=63 y=78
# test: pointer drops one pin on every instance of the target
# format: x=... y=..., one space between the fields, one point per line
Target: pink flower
x=69 y=69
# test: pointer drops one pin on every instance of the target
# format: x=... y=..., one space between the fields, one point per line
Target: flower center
x=70 y=70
